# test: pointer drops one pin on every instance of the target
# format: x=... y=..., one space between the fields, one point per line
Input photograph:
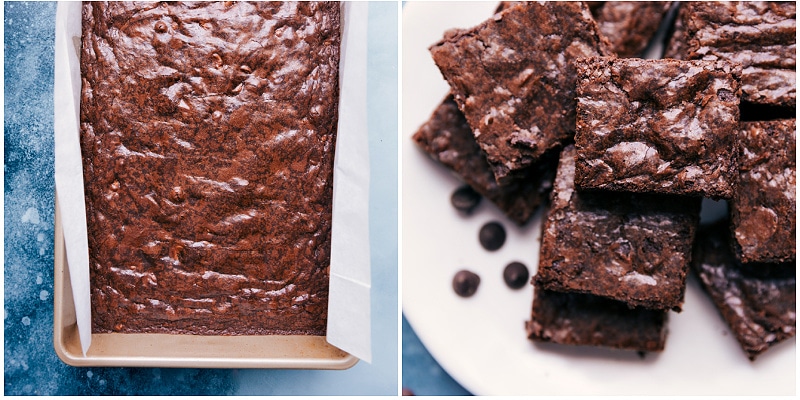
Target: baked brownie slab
x=630 y=247
x=513 y=79
x=448 y=139
x=661 y=126
x=761 y=36
x=763 y=210
x=208 y=132
x=629 y=25
x=758 y=301
x=585 y=319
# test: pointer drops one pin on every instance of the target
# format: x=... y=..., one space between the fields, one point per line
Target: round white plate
x=481 y=341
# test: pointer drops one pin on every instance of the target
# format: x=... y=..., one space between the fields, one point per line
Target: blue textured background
x=31 y=364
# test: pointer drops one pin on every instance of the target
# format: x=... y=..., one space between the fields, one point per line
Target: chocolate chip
x=465 y=199
x=492 y=236
x=465 y=283
x=516 y=275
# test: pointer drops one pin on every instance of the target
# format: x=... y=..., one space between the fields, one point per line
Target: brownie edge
x=585 y=319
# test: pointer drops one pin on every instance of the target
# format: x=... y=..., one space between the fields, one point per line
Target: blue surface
x=421 y=373
x=31 y=365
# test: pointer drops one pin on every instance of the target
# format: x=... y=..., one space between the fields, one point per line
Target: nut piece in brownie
x=763 y=210
x=448 y=139
x=662 y=126
x=629 y=25
x=630 y=247
x=513 y=79
x=761 y=36
x=758 y=301
x=208 y=133
x=585 y=319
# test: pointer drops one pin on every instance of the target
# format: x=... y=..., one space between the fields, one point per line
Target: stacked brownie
x=639 y=143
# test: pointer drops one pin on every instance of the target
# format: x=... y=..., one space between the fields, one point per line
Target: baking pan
x=180 y=351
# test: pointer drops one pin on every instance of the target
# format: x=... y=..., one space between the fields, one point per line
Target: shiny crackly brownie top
x=662 y=126
x=757 y=300
x=208 y=134
x=761 y=36
x=512 y=77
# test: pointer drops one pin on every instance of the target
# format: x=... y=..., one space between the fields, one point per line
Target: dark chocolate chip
x=516 y=275
x=465 y=283
x=465 y=199
x=492 y=236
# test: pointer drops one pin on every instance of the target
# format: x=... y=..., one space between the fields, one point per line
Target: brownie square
x=758 y=301
x=585 y=319
x=764 y=206
x=761 y=36
x=661 y=126
x=448 y=139
x=513 y=79
x=629 y=25
x=630 y=247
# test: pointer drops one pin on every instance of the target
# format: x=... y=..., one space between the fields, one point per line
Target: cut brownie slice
x=631 y=247
x=761 y=36
x=629 y=25
x=512 y=77
x=448 y=139
x=662 y=126
x=763 y=210
x=585 y=319
x=758 y=301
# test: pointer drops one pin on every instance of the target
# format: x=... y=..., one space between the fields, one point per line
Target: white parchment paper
x=349 y=297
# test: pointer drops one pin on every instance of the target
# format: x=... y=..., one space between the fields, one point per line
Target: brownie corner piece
x=757 y=300
x=763 y=210
x=585 y=319
x=513 y=79
x=630 y=247
x=662 y=126
x=447 y=138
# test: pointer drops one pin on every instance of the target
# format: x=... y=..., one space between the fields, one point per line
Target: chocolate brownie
x=585 y=319
x=763 y=210
x=761 y=36
x=629 y=25
x=758 y=301
x=513 y=79
x=208 y=133
x=630 y=247
x=448 y=139
x=662 y=126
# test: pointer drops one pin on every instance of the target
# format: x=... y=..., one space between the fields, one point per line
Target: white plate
x=481 y=340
